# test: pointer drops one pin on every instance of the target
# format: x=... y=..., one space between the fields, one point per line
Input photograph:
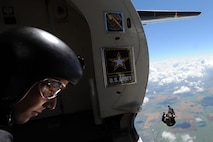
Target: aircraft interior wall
x=84 y=29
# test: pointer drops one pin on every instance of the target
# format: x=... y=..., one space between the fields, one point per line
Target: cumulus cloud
x=168 y=136
x=198 y=119
x=172 y=137
x=188 y=73
x=187 y=138
x=182 y=89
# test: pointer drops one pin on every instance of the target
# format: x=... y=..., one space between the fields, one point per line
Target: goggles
x=49 y=88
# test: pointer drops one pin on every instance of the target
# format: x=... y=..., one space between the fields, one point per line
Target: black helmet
x=29 y=55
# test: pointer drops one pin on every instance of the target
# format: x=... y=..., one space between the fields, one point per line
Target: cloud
x=198 y=119
x=169 y=136
x=187 y=138
x=172 y=137
x=186 y=74
x=183 y=89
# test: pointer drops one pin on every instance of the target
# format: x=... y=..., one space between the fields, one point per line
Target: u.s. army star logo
x=119 y=61
x=118 y=65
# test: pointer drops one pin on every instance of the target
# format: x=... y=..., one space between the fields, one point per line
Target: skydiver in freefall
x=169 y=118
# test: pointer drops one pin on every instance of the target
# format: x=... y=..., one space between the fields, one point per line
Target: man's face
x=40 y=97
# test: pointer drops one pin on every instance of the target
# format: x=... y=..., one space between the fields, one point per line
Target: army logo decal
x=118 y=65
x=114 y=22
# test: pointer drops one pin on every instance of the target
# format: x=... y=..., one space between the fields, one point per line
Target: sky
x=184 y=38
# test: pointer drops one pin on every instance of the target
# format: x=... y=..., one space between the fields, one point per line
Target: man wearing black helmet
x=36 y=66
